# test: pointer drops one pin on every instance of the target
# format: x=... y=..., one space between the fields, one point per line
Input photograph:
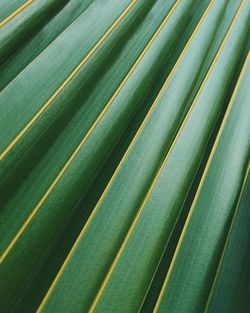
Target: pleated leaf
x=124 y=156
x=196 y=258
x=230 y=291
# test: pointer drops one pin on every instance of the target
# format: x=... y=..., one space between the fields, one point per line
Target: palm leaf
x=84 y=155
x=231 y=277
x=124 y=144
x=10 y=9
x=133 y=187
x=150 y=226
x=196 y=258
x=41 y=40
x=29 y=17
x=17 y=146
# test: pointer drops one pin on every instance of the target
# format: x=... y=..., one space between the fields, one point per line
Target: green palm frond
x=124 y=145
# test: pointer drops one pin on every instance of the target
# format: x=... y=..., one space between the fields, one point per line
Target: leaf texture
x=41 y=40
x=223 y=175
x=232 y=274
x=125 y=141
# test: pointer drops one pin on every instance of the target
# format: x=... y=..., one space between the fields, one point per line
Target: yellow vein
x=200 y=184
x=163 y=23
x=120 y=164
x=105 y=282
x=228 y=237
x=15 y=13
x=160 y=259
x=68 y=79
x=66 y=165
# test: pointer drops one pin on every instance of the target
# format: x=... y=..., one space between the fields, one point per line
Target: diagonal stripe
x=74 y=154
x=15 y=13
x=68 y=79
x=204 y=174
x=228 y=237
x=115 y=173
x=105 y=282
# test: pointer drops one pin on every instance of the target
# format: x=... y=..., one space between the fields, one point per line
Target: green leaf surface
x=124 y=143
x=9 y=8
x=18 y=29
x=41 y=40
x=46 y=170
x=230 y=291
x=100 y=247
x=31 y=94
x=196 y=258
x=35 y=223
x=31 y=140
x=158 y=213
